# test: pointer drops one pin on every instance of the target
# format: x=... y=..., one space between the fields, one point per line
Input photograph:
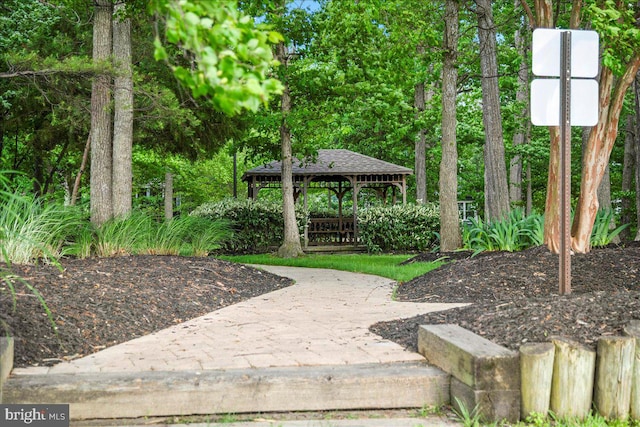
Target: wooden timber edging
x=562 y=377
x=6 y=360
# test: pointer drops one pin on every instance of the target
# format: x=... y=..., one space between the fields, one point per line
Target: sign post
x=565 y=164
x=570 y=99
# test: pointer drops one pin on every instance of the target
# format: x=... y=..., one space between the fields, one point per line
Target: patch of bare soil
x=514 y=297
x=99 y=302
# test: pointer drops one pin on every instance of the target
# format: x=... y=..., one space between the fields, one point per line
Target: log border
x=561 y=376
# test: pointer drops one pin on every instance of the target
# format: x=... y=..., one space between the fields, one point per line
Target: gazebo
x=340 y=172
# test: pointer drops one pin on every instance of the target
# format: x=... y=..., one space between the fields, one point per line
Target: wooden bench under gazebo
x=340 y=172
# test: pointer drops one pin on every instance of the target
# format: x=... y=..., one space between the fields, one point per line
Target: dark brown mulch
x=99 y=302
x=515 y=297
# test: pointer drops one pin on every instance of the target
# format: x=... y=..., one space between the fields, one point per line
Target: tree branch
x=43 y=73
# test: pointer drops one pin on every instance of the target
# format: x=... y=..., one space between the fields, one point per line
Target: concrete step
x=306 y=388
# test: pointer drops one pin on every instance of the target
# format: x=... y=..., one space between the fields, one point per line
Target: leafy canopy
x=231 y=54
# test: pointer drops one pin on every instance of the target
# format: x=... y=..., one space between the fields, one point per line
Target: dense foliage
x=403 y=228
x=353 y=70
x=257 y=225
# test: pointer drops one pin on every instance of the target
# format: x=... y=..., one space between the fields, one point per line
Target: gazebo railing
x=331 y=231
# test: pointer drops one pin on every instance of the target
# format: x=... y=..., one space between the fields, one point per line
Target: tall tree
x=291 y=246
x=101 y=125
x=123 y=113
x=628 y=172
x=620 y=40
x=450 y=238
x=621 y=62
x=637 y=151
x=420 y=148
x=522 y=121
x=496 y=190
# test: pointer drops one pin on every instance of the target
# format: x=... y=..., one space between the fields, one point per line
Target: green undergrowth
x=389 y=266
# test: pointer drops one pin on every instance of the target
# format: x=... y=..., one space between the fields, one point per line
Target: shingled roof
x=334 y=162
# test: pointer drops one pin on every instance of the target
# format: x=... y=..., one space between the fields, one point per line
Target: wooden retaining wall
x=561 y=376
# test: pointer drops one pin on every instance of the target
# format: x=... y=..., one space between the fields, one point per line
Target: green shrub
x=257 y=224
x=514 y=233
x=601 y=234
x=408 y=227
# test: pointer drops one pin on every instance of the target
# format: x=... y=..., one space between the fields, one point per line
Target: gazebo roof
x=333 y=162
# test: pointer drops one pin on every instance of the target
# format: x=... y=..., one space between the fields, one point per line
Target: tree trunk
x=450 y=239
x=83 y=166
x=496 y=190
x=522 y=118
x=101 y=198
x=168 y=196
x=529 y=201
x=420 y=146
x=637 y=149
x=544 y=19
x=628 y=167
x=599 y=147
x=291 y=247
x=123 y=114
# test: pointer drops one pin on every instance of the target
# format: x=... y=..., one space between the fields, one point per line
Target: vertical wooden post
x=633 y=330
x=573 y=373
x=612 y=390
x=536 y=371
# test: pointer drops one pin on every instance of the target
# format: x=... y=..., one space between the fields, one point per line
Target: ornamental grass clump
x=140 y=234
x=32 y=231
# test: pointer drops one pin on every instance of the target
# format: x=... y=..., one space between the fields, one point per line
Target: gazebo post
x=340 y=195
x=354 y=186
x=404 y=190
x=305 y=186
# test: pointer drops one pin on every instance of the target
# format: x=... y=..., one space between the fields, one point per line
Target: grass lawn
x=380 y=265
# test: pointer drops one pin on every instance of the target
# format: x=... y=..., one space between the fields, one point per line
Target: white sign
x=545 y=102
x=545 y=50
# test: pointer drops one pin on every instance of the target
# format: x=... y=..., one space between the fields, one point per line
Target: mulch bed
x=514 y=296
x=99 y=302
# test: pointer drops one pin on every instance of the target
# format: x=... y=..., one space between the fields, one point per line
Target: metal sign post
x=565 y=164
x=569 y=99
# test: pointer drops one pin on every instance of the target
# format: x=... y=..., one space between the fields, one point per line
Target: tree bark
x=168 y=196
x=628 y=168
x=83 y=166
x=450 y=238
x=101 y=198
x=637 y=149
x=599 y=147
x=420 y=146
x=123 y=114
x=291 y=246
x=496 y=189
x=522 y=119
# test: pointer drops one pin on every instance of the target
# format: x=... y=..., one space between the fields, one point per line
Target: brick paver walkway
x=321 y=320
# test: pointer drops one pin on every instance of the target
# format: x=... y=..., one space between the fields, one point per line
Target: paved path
x=321 y=320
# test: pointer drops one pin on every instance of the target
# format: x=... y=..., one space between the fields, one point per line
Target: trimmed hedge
x=257 y=224
x=408 y=227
